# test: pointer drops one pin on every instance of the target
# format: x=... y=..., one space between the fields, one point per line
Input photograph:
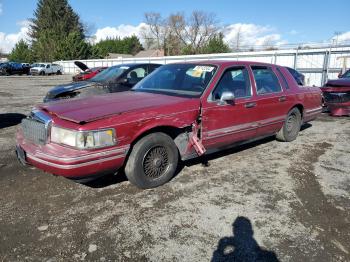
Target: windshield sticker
x=197 y=73
x=203 y=68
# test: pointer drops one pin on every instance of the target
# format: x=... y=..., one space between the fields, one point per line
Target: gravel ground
x=268 y=200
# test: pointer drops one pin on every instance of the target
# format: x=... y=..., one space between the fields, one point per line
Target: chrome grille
x=36 y=127
x=34 y=131
x=336 y=97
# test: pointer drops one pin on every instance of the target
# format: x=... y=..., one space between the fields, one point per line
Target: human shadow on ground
x=10 y=119
x=242 y=246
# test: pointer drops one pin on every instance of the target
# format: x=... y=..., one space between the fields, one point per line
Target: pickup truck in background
x=46 y=69
x=180 y=111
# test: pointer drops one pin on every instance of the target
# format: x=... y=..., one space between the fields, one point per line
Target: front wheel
x=153 y=161
x=291 y=126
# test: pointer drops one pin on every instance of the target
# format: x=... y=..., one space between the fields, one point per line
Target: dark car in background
x=336 y=95
x=13 y=68
x=87 y=73
x=346 y=74
x=114 y=79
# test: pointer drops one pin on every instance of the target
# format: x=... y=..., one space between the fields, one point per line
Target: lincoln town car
x=178 y=112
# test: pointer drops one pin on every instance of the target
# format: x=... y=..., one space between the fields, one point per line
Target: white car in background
x=46 y=69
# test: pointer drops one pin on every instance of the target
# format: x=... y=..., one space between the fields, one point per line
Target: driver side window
x=234 y=80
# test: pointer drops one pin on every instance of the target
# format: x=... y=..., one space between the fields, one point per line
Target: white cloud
x=251 y=35
x=119 y=31
x=293 y=32
x=344 y=37
x=8 y=41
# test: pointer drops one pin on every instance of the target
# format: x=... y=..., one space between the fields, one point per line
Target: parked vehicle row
x=14 y=68
x=179 y=111
x=113 y=79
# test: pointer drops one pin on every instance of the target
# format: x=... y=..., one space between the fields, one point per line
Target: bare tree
x=237 y=41
x=156 y=31
x=195 y=31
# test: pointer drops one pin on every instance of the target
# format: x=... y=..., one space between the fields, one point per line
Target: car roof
x=137 y=64
x=226 y=63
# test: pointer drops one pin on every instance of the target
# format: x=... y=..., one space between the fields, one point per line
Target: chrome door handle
x=250 y=105
x=282 y=98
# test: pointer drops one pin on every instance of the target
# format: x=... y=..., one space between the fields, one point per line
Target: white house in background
x=3 y=59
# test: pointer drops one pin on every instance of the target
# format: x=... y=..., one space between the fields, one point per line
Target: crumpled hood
x=341 y=82
x=97 y=107
x=69 y=87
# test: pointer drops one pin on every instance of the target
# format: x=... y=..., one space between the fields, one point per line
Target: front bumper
x=68 y=162
x=339 y=109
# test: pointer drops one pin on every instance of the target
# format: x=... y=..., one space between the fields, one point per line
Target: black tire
x=58 y=72
x=291 y=126
x=42 y=73
x=153 y=161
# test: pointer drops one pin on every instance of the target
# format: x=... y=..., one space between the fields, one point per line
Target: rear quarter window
x=265 y=80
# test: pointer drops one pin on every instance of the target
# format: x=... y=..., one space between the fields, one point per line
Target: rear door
x=227 y=123
x=272 y=101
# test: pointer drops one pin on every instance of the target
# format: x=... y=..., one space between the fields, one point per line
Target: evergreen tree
x=54 y=24
x=216 y=45
x=21 y=52
x=128 y=45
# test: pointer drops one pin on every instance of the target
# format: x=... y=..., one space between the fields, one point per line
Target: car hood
x=98 y=107
x=69 y=87
x=37 y=68
x=342 y=82
x=81 y=65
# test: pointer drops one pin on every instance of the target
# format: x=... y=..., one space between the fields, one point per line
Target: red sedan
x=87 y=73
x=180 y=111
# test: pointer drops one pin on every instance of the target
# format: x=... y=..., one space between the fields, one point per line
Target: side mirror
x=226 y=97
x=340 y=74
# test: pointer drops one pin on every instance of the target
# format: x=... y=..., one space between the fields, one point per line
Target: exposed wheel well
x=300 y=108
x=171 y=131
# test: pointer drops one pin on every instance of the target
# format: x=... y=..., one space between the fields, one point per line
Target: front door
x=224 y=123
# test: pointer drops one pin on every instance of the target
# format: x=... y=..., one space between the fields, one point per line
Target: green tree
x=54 y=24
x=216 y=45
x=21 y=52
x=128 y=45
x=73 y=48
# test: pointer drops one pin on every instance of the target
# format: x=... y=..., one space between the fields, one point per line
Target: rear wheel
x=153 y=161
x=291 y=126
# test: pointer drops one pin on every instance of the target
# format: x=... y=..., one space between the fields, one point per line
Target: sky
x=260 y=22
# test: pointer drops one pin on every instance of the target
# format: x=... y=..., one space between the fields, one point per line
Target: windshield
x=110 y=74
x=178 y=79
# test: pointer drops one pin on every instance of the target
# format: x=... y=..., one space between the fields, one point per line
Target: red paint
x=336 y=94
x=88 y=74
x=132 y=114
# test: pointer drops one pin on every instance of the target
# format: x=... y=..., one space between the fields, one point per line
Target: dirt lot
x=267 y=200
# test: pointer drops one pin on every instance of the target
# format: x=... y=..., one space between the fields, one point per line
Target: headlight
x=83 y=139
